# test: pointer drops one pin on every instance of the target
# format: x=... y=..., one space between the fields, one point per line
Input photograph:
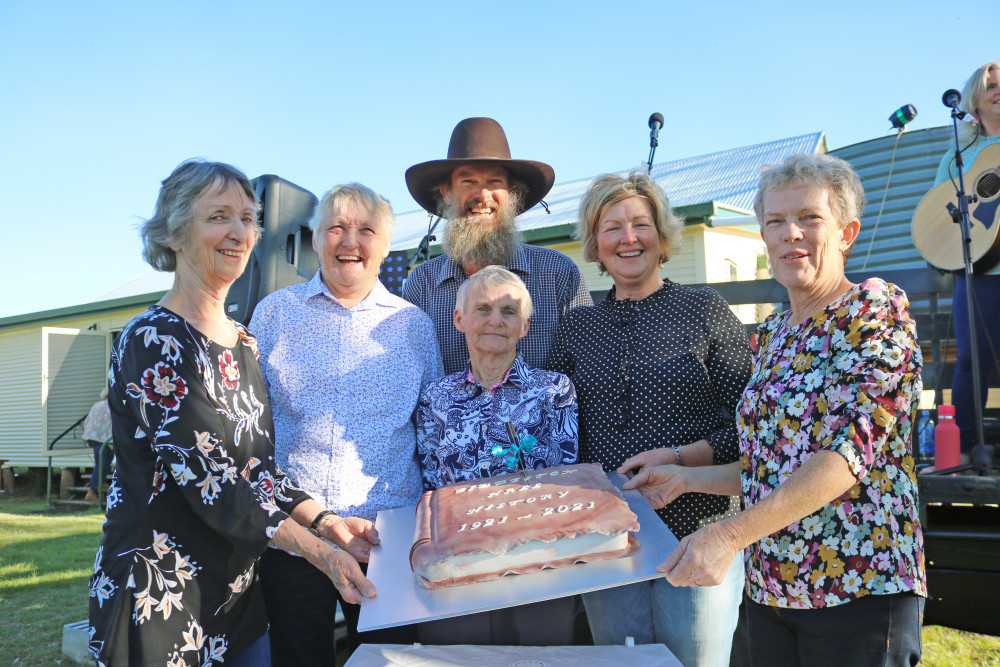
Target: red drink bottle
x=947 y=439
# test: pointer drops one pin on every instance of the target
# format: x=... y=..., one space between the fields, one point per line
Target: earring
x=601 y=271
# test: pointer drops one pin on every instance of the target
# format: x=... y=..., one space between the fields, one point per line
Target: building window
x=730 y=269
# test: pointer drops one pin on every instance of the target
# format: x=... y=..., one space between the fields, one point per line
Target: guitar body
x=939 y=239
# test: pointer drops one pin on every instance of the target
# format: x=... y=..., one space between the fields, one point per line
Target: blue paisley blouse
x=846 y=380
x=194 y=501
x=460 y=422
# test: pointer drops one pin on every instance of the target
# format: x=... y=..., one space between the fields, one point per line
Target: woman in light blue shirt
x=344 y=362
x=981 y=103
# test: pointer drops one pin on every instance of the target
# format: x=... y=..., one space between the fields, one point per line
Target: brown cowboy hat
x=478 y=140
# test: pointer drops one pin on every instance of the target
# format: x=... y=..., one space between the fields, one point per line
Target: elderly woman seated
x=462 y=421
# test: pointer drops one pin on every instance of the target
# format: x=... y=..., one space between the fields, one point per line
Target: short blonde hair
x=607 y=190
x=496 y=275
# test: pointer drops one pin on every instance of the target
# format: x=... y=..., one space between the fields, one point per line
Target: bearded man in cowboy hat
x=480 y=191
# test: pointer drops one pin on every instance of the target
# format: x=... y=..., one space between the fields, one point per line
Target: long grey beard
x=470 y=243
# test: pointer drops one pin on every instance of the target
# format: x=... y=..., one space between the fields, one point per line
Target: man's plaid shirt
x=553 y=281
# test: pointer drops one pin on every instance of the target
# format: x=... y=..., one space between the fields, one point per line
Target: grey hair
x=372 y=202
x=607 y=190
x=974 y=87
x=847 y=195
x=494 y=275
x=175 y=207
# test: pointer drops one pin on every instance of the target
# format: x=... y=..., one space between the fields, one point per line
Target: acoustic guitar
x=939 y=238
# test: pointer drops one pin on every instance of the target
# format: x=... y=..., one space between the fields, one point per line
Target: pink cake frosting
x=483 y=530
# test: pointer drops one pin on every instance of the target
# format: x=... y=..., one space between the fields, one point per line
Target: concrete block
x=75 y=640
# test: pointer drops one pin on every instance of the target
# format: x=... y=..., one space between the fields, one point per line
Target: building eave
x=81 y=310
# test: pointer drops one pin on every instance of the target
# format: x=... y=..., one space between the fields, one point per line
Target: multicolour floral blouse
x=462 y=425
x=195 y=499
x=97 y=425
x=846 y=380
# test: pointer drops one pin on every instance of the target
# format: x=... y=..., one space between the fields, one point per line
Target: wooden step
x=74 y=503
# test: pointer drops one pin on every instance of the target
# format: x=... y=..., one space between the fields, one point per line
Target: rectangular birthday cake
x=518 y=523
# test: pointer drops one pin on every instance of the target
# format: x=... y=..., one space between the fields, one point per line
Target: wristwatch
x=314 y=526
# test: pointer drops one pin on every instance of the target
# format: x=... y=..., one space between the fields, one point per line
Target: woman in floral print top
x=845 y=381
x=834 y=549
x=196 y=496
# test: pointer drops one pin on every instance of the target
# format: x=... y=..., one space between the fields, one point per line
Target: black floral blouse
x=195 y=498
x=665 y=370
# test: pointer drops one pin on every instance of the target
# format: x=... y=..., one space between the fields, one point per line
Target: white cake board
x=400 y=600
x=380 y=655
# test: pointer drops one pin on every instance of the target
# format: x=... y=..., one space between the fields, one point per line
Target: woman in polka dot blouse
x=658 y=369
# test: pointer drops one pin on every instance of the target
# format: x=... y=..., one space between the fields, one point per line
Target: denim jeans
x=696 y=624
x=105 y=465
x=258 y=654
x=987 y=289
x=871 y=630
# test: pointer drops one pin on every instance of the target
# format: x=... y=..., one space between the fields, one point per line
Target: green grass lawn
x=45 y=561
x=46 y=558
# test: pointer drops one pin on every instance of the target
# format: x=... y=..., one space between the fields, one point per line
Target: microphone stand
x=653 y=143
x=981 y=455
x=424 y=247
x=655 y=124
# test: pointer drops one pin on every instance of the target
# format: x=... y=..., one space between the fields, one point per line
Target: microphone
x=655 y=123
x=951 y=98
x=902 y=116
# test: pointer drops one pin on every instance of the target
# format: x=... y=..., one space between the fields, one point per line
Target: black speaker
x=284 y=254
x=392 y=273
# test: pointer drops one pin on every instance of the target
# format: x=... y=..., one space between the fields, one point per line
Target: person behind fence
x=658 y=368
x=197 y=497
x=834 y=548
x=981 y=101
x=462 y=435
x=97 y=431
x=344 y=361
x=479 y=190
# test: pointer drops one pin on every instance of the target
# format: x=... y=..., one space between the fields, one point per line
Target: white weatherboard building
x=53 y=363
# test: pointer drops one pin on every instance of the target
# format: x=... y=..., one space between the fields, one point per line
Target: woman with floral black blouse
x=834 y=548
x=658 y=369
x=196 y=496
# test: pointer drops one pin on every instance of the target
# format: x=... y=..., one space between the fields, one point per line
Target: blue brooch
x=518 y=448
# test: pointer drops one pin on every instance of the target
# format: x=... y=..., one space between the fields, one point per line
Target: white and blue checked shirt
x=343 y=385
x=553 y=281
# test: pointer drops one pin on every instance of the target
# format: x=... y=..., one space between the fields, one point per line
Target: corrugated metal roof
x=145 y=283
x=726 y=177
x=917 y=156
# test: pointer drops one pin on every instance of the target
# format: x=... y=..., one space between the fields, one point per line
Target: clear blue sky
x=99 y=101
